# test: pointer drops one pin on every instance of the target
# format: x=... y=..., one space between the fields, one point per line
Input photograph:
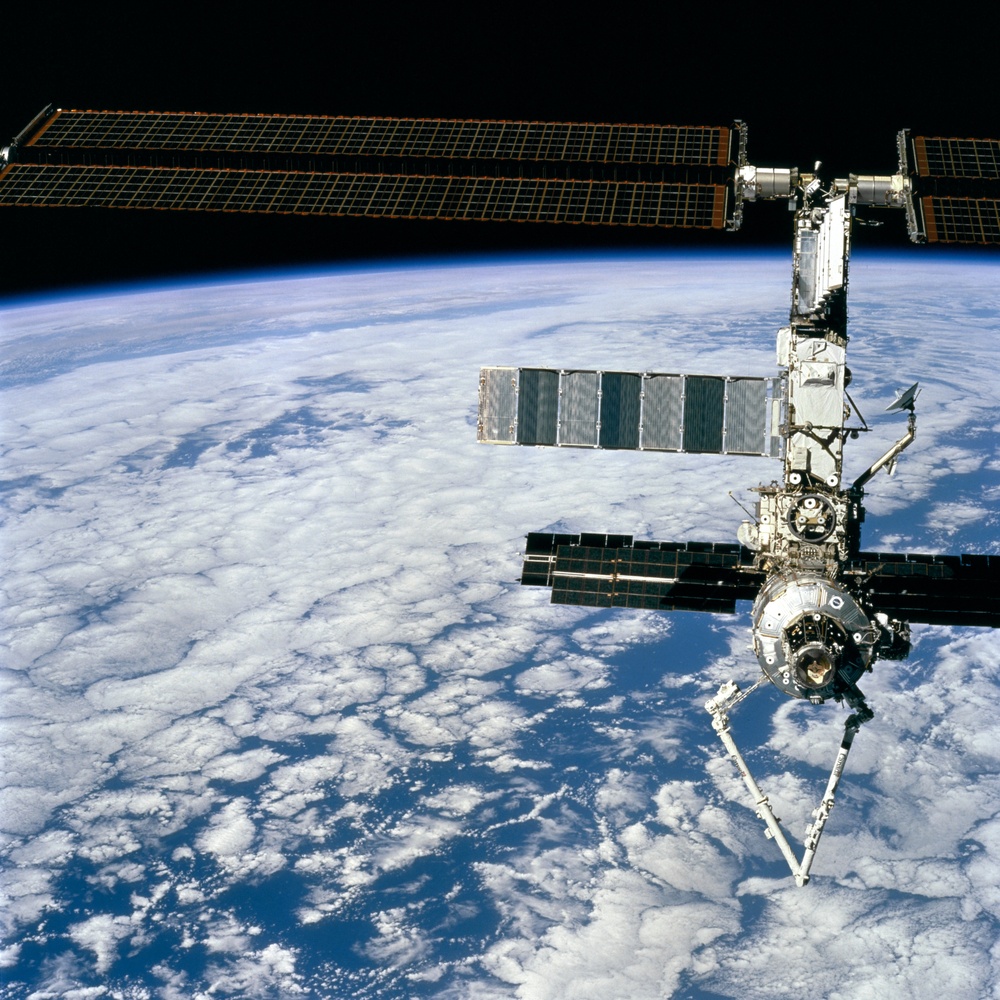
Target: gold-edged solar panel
x=565 y=142
x=961 y=220
x=956 y=158
x=626 y=203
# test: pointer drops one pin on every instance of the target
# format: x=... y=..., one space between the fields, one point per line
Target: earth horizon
x=280 y=722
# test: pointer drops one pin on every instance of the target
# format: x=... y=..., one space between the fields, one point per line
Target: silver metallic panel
x=821 y=251
x=815 y=408
x=579 y=408
x=746 y=417
x=643 y=411
x=662 y=412
x=806 y=298
x=497 y=405
x=777 y=409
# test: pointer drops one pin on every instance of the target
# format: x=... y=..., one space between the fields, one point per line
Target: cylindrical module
x=810 y=636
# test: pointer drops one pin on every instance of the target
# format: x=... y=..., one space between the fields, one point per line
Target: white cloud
x=261 y=973
x=230 y=833
x=101 y=935
x=397 y=943
x=266 y=608
x=632 y=943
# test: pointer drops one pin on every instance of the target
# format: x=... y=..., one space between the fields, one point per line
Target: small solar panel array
x=957 y=188
x=644 y=411
x=611 y=175
x=614 y=571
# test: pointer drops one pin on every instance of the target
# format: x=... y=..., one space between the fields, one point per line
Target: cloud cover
x=279 y=720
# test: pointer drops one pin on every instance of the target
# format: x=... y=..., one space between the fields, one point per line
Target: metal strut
x=728 y=698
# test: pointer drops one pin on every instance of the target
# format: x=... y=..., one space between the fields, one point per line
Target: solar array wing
x=630 y=175
x=956 y=186
x=932 y=589
x=370 y=195
x=960 y=220
x=606 y=571
x=647 y=411
x=429 y=138
x=956 y=158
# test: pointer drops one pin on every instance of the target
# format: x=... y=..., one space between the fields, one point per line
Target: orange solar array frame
x=560 y=142
x=373 y=195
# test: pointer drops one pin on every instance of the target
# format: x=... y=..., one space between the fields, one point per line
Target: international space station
x=823 y=609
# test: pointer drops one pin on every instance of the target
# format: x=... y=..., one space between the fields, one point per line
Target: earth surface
x=280 y=722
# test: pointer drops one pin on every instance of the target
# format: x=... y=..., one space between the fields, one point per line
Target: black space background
x=820 y=82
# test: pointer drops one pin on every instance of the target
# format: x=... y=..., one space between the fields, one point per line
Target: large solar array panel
x=956 y=158
x=960 y=220
x=707 y=146
x=646 y=411
x=371 y=195
x=932 y=589
x=561 y=172
x=613 y=571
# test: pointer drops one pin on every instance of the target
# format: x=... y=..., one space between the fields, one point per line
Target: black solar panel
x=703 y=413
x=613 y=571
x=935 y=590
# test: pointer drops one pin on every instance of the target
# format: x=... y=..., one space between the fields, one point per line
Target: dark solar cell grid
x=400 y=137
x=480 y=198
x=957 y=158
x=961 y=220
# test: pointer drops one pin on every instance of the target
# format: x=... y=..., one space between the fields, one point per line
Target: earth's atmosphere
x=280 y=722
